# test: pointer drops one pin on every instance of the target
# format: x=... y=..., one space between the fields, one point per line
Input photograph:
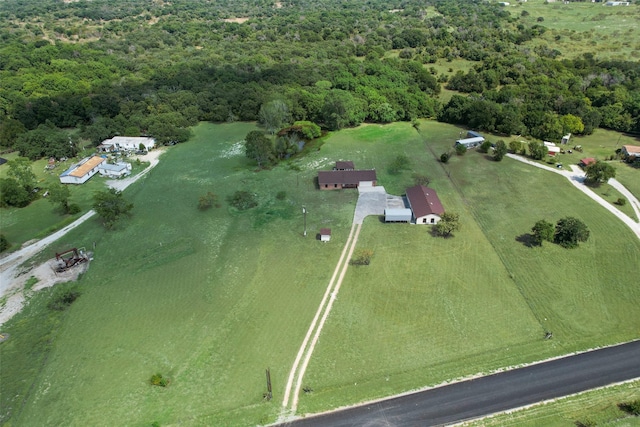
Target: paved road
x=495 y=393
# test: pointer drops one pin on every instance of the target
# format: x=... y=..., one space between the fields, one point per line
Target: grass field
x=580 y=27
x=211 y=299
x=428 y=310
x=598 y=407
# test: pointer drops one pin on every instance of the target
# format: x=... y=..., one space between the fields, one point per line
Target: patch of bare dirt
x=237 y=20
x=46 y=276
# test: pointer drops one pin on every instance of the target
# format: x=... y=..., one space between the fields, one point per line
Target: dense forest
x=155 y=68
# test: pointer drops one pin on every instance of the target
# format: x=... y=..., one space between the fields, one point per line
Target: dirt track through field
x=371 y=201
x=13 y=278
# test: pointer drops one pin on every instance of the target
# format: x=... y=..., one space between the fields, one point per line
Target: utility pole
x=304 y=214
x=269 y=393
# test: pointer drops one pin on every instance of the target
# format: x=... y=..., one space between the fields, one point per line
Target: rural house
x=587 y=161
x=345 y=166
x=425 y=204
x=117 y=170
x=131 y=143
x=472 y=140
x=339 y=179
x=630 y=151
x=81 y=172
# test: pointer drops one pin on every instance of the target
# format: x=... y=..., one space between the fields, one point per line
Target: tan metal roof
x=632 y=149
x=85 y=167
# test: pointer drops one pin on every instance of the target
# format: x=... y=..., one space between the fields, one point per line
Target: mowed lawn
x=428 y=310
x=209 y=299
x=597 y=407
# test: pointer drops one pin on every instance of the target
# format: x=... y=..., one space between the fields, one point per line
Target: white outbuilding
x=131 y=143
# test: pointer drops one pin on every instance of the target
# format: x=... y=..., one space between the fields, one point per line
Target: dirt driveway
x=14 y=273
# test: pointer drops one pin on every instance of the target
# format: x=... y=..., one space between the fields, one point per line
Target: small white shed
x=325 y=234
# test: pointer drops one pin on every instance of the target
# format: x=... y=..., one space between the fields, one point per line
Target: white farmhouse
x=117 y=170
x=131 y=143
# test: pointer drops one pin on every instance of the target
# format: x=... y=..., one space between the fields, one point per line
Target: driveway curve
x=576 y=178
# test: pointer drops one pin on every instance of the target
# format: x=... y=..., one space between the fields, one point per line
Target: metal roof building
x=397 y=215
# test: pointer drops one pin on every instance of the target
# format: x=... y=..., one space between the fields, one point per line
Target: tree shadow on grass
x=526 y=239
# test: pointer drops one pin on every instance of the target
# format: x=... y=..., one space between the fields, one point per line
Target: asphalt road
x=494 y=393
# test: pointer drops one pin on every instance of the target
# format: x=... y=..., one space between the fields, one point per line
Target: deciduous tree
x=542 y=231
x=258 y=147
x=570 y=231
x=449 y=222
x=500 y=151
x=110 y=205
x=599 y=172
x=274 y=115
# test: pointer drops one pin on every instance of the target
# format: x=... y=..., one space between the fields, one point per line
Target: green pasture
x=598 y=407
x=581 y=27
x=427 y=310
x=211 y=299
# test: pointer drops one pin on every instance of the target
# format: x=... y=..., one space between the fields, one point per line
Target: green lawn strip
x=378 y=340
x=598 y=407
x=32 y=335
x=629 y=177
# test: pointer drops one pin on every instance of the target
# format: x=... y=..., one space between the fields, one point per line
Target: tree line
x=141 y=68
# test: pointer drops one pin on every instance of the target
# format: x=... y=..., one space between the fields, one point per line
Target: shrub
x=500 y=151
x=362 y=257
x=73 y=209
x=632 y=408
x=159 y=380
x=460 y=149
x=63 y=300
x=621 y=201
x=515 y=146
x=243 y=200
x=419 y=179
x=281 y=195
x=4 y=243
x=400 y=163
x=208 y=200
x=485 y=147
x=444 y=157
